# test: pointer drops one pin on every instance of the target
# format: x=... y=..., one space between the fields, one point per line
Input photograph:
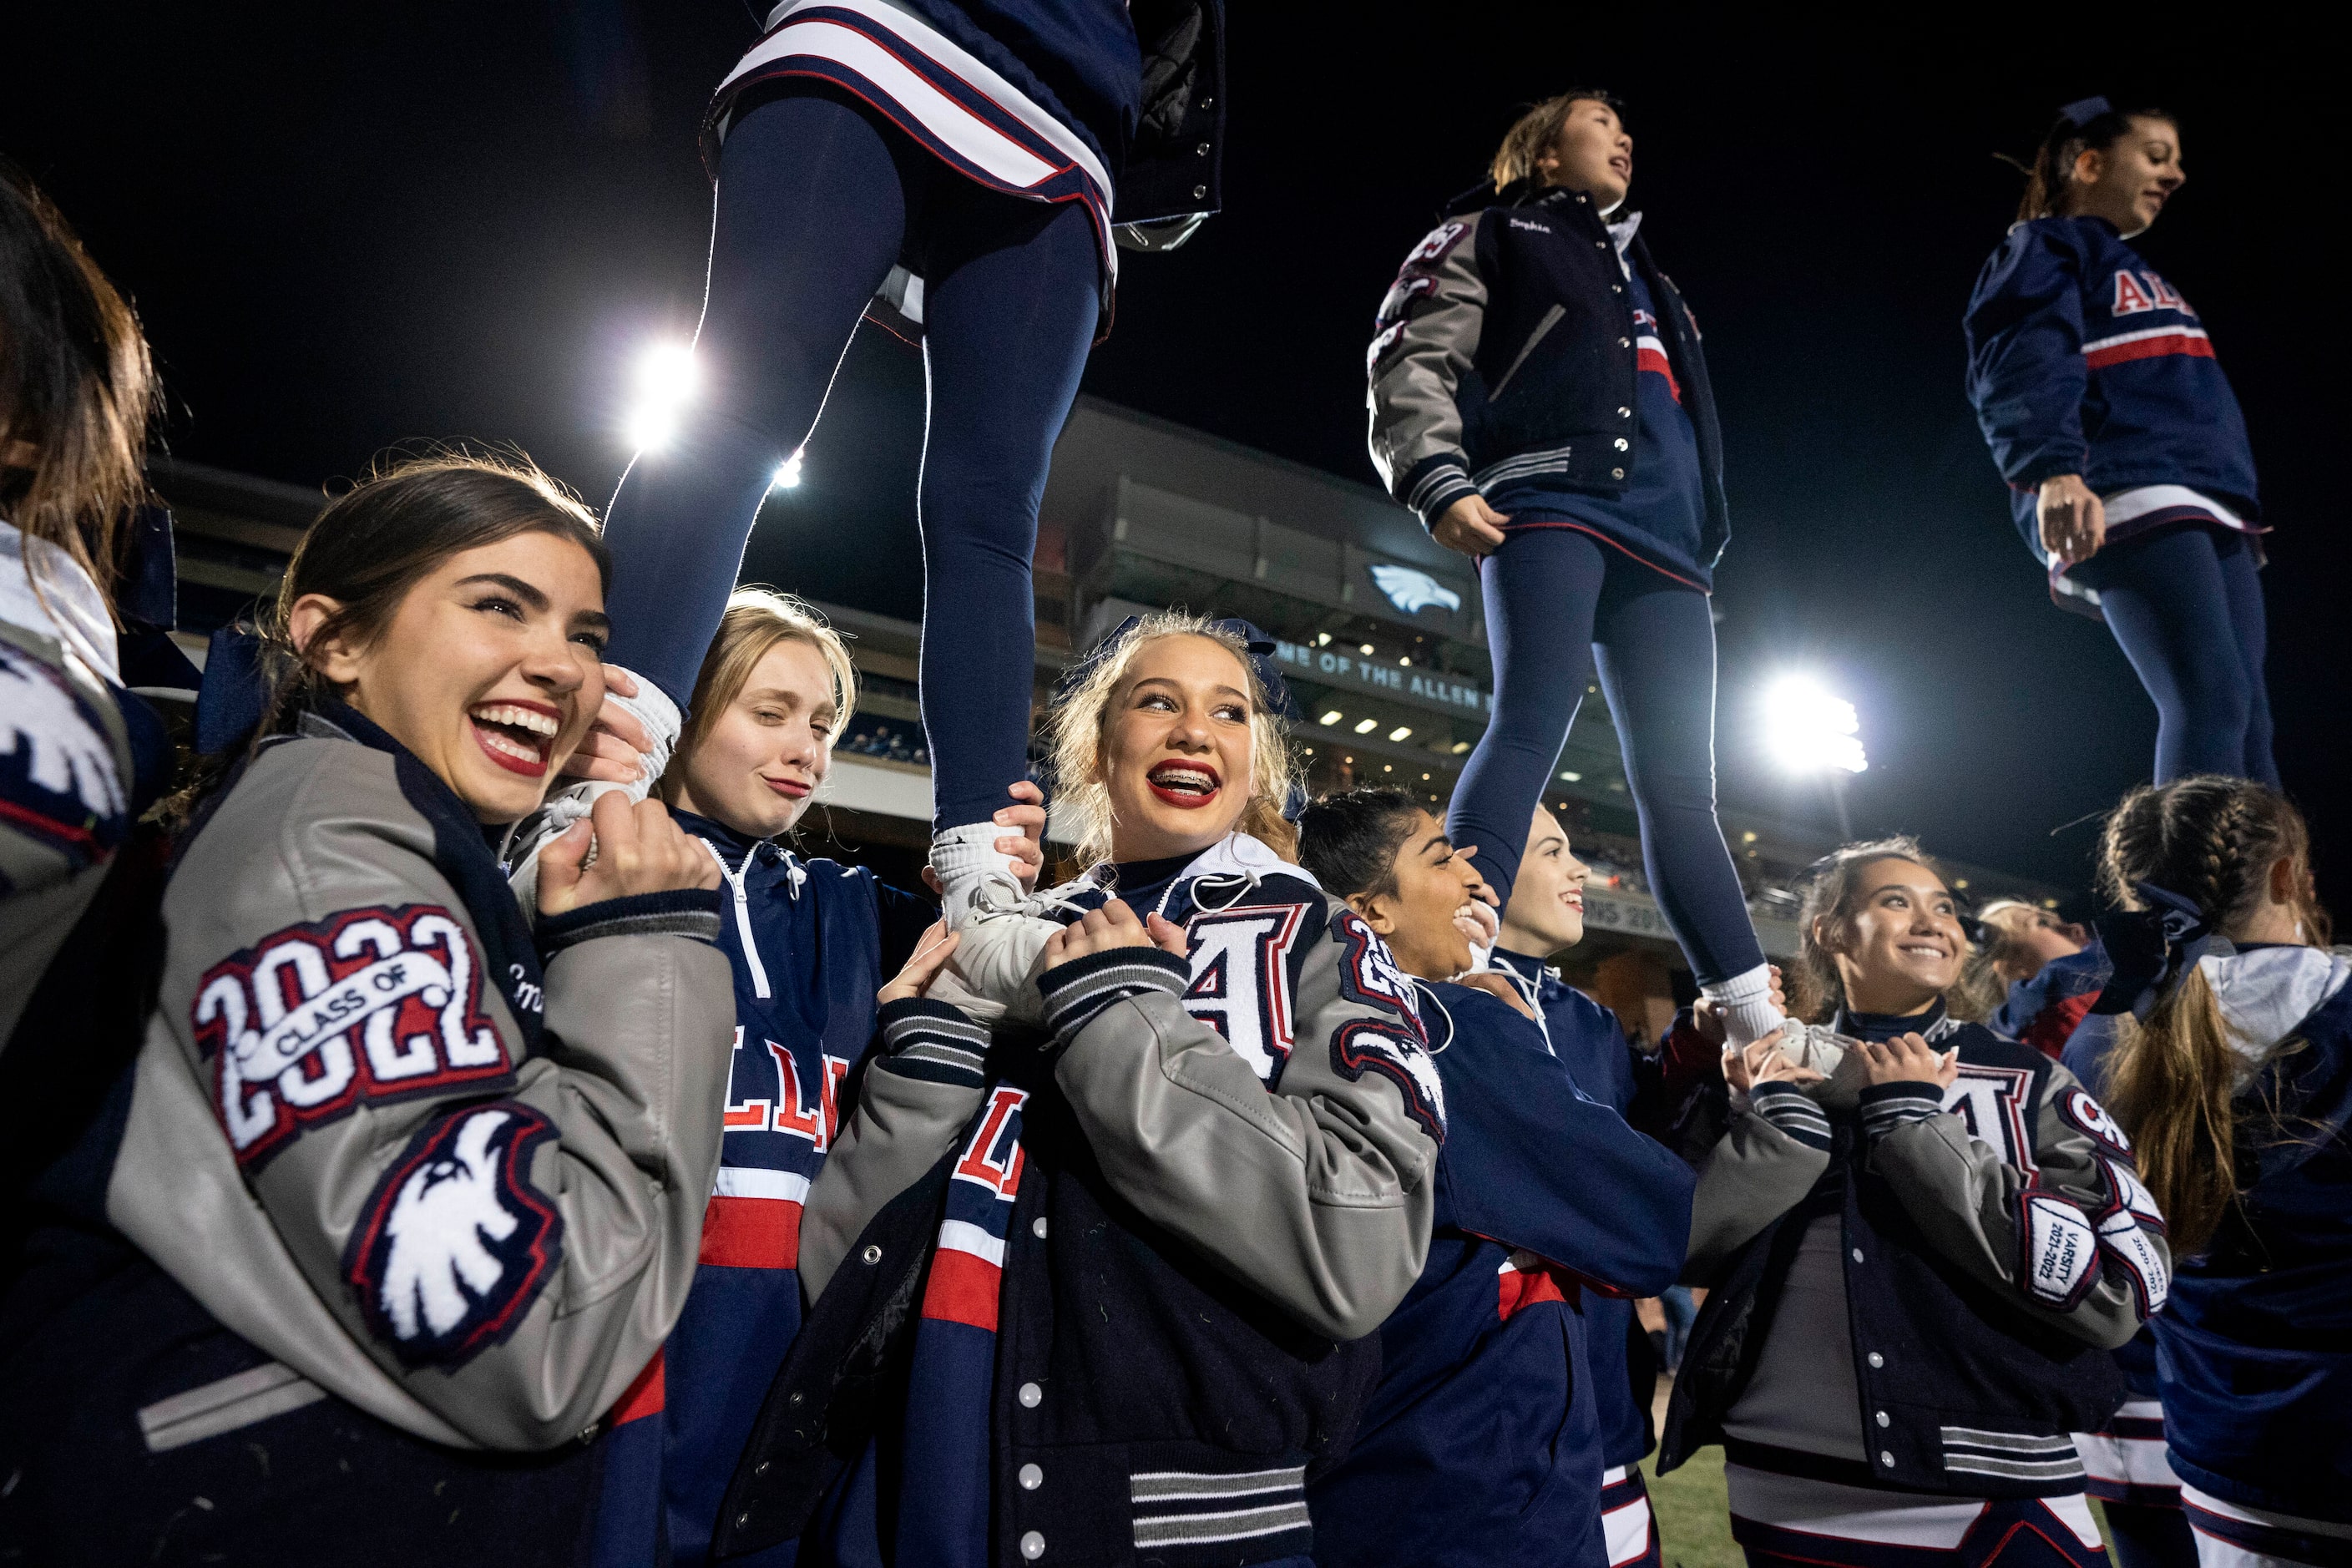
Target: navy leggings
x=2186 y=602
x=817 y=200
x=1557 y=600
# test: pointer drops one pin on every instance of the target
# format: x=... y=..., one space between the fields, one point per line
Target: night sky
x=350 y=228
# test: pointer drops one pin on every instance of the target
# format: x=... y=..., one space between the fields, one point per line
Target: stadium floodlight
x=1807 y=729
x=665 y=384
x=788 y=474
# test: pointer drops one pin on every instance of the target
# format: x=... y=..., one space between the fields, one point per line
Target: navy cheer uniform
x=965 y=164
x=1590 y=1043
x=810 y=941
x=2084 y=360
x=1486 y=1438
x=2045 y=1010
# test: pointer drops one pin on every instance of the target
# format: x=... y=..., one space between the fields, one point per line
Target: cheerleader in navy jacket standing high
x=2125 y=452
x=1538 y=396
x=960 y=159
x=2231 y=1072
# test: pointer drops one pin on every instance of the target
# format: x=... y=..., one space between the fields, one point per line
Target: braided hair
x=2172 y=1079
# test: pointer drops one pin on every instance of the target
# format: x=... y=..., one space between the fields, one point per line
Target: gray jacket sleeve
x=1315 y=1193
x=2065 y=1228
x=1770 y=1155
x=920 y=1092
x=1424 y=341
x=393 y=1199
x=65 y=786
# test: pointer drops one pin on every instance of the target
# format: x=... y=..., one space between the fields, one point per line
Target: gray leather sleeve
x=1427 y=337
x=66 y=735
x=391 y=1208
x=1756 y=1174
x=1316 y=1194
x=2061 y=1243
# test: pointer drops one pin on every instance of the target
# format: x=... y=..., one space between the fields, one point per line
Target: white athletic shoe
x=653 y=709
x=993 y=973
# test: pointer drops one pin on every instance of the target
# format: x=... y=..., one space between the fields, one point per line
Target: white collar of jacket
x=68 y=607
x=2266 y=993
x=1621 y=230
x=1239 y=855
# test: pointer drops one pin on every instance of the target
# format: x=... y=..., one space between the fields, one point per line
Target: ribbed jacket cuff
x=1438 y=486
x=934 y=1042
x=1887 y=1106
x=684 y=911
x=1075 y=992
x=1784 y=1105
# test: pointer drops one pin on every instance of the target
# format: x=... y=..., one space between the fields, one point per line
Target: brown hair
x=369 y=547
x=1532 y=134
x=1075 y=735
x=2172 y=1079
x=1816 y=990
x=2052 y=169
x=757 y=619
x=77 y=390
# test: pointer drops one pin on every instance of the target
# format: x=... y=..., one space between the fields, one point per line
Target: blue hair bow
x=235 y=690
x=2154 y=949
x=2082 y=111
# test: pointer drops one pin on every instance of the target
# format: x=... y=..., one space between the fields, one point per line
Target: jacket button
x=1624 y=342
x=1886 y=1458
x=760 y=1468
x=1857 y=1255
x=1600 y=245
x=1033 y=1546
x=873 y=1253
x=1031 y=1396
x=1032 y=1478
x=1202 y=151
x=1877 y=1361
x=1616 y=473
x=1883 y=1421
x=743 y=1520
x=1625 y=414
x=1037 y=1228
x=797 y=1399
x=1616 y=288
x=1199 y=192
x=1621 y=443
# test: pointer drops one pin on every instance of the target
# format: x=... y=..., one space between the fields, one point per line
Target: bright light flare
x=665 y=383
x=1807 y=728
x=788 y=474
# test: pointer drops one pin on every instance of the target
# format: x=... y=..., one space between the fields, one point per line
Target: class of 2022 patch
x=377 y=1004
x=456 y=1243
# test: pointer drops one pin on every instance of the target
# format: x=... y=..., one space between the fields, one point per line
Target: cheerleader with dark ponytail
x=2123 y=449
x=2232 y=1076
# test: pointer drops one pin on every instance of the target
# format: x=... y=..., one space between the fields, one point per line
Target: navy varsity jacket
x=809 y=942
x=1483 y=1442
x=1591 y=1044
x=1509 y=348
x=2081 y=359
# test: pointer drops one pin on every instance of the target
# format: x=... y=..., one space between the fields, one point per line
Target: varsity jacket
x=1483 y=1442
x=376 y=1137
x=2044 y=1011
x=1099 y=102
x=1507 y=348
x=2083 y=359
x=1994 y=1239
x=1125 y=1277
x=809 y=942
x=1592 y=1045
x=2253 y=1366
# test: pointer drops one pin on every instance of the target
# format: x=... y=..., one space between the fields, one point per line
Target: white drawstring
x=1424 y=986
x=1529 y=990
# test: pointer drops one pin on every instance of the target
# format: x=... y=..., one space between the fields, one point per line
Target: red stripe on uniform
x=751 y=1233
x=1522 y=1288
x=647 y=1395
x=962 y=1290
x=2050 y=1032
x=2150 y=348
x=1655 y=362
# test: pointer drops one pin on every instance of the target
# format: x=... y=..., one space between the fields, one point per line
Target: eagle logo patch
x=377 y=1003
x=57 y=777
x=456 y=1243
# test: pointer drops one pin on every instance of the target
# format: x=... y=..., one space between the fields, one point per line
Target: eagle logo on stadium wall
x=456 y=1243
x=57 y=777
x=380 y=1003
x=1412 y=591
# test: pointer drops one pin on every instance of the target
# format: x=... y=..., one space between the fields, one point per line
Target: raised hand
x=922 y=966
x=638 y=850
x=1908 y=1058
x=615 y=748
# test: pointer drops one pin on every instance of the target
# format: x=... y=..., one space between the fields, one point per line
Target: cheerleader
x=1100 y=1290
x=1916 y=1243
x=2108 y=413
x=1538 y=396
x=400 y=1193
x=1503 y=1389
x=2054 y=970
x=968 y=155
x=2232 y=1075
x=810 y=941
